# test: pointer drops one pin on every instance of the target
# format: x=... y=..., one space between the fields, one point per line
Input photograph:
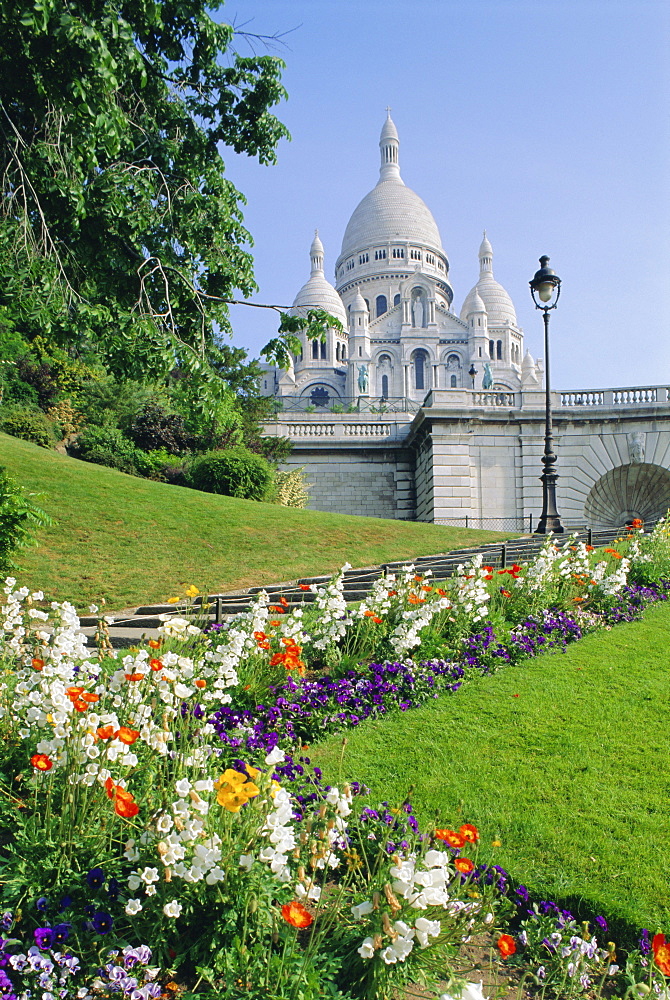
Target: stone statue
x=417 y=313
x=363 y=379
x=636 y=446
x=487 y=381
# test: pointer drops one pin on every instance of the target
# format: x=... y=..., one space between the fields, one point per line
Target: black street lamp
x=546 y=285
x=473 y=374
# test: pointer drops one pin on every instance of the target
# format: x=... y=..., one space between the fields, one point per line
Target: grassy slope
x=564 y=758
x=132 y=541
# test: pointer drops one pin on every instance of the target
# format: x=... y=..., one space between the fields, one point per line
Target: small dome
x=389 y=131
x=358 y=303
x=318 y=293
x=473 y=304
x=498 y=304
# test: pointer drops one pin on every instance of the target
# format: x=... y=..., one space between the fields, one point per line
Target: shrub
x=154 y=428
x=109 y=446
x=291 y=488
x=236 y=472
x=28 y=424
x=18 y=515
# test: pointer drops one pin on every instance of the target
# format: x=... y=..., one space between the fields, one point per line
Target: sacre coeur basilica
x=418 y=411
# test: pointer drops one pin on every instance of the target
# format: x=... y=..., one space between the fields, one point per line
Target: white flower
x=275 y=757
x=182 y=787
x=471 y=991
x=367 y=948
x=172 y=909
x=361 y=909
x=149 y=875
x=133 y=906
x=246 y=861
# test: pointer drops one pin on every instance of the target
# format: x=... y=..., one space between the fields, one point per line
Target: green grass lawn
x=564 y=759
x=133 y=541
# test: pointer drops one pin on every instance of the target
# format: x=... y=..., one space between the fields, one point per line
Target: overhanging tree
x=118 y=228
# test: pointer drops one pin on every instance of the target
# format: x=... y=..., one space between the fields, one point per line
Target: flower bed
x=163 y=833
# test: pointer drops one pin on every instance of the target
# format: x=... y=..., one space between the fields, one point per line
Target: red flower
x=661 y=950
x=304 y=586
x=41 y=762
x=506 y=946
x=464 y=865
x=133 y=677
x=125 y=805
x=378 y=621
x=296 y=915
x=450 y=837
x=106 y=732
x=200 y=683
x=154 y=644
x=155 y=665
x=277 y=610
x=36 y=663
x=504 y=592
x=469 y=833
x=127 y=736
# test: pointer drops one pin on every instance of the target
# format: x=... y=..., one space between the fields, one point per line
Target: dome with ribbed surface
x=318 y=293
x=391 y=211
x=498 y=304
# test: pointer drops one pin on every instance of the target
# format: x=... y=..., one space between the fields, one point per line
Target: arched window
x=344 y=353
x=385 y=387
x=381 y=305
x=453 y=382
x=337 y=351
x=491 y=349
x=396 y=300
x=315 y=350
x=319 y=396
x=499 y=350
x=323 y=350
x=419 y=371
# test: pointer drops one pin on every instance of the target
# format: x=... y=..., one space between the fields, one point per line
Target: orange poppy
x=661 y=950
x=277 y=609
x=200 y=683
x=442 y=593
x=464 y=865
x=505 y=593
x=413 y=599
x=41 y=762
x=155 y=665
x=450 y=837
x=304 y=586
x=133 y=677
x=469 y=833
x=106 y=732
x=154 y=644
x=506 y=946
x=275 y=623
x=369 y=614
x=90 y=697
x=427 y=589
x=127 y=736
x=296 y=915
x=378 y=621
x=74 y=692
x=392 y=593
x=125 y=806
x=36 y=663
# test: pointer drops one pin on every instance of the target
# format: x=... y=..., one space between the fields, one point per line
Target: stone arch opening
x=626 y=492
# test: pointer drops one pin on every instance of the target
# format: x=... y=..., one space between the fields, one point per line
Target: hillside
x=132 y=541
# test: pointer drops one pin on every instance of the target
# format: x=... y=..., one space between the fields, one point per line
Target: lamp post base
x=549 y=526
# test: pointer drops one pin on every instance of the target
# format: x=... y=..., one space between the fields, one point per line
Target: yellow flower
x=234 y=791
x=172 y=600
x=192 y=591
x=496 y=843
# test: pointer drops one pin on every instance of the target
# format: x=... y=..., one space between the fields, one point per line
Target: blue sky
x=545 y=124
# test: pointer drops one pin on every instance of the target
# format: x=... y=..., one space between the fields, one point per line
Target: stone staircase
x=130 y=627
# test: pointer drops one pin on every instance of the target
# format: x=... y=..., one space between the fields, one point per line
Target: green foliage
x=111 y=402
x=235 y=472
x=109 y=446
x=29 y=424
x=19 y=516
x=119 y=231
x=154 y=428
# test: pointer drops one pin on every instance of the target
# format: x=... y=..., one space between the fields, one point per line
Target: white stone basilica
x=393 y=296
x=412 y=411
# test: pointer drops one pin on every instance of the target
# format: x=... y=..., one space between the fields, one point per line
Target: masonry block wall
x=369 y=482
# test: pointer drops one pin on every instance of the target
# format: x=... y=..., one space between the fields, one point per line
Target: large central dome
x=391 y=211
